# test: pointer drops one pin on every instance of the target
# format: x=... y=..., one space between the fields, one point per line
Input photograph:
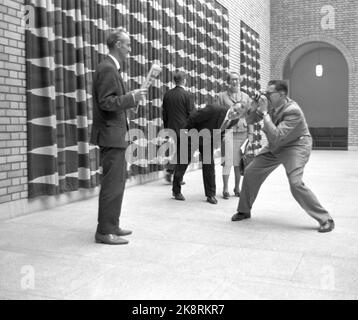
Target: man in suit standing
x=290 y=144
x=110 y=125
x=208 y=124
x=177 y=106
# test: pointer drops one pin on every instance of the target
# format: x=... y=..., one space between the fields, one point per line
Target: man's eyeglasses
x=266 y=94
x=269 y=94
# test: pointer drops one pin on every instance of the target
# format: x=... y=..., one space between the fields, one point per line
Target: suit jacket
x=211 y=117
x=286 y=129
x=177 y=106
x=110 y=103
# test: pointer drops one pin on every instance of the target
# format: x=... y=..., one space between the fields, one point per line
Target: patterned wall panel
x=250 y=72
x=250 y=59
x=65 y=46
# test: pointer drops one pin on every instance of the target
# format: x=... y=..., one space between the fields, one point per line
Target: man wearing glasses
x=289 y=144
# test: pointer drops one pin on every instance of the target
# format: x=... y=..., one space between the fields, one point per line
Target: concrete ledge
x=26 y=206
x=23 y=207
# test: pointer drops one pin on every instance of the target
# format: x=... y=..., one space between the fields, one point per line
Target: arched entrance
x=279 y=63
x=323 y=98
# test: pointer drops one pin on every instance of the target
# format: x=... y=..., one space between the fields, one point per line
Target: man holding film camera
x=290 y=144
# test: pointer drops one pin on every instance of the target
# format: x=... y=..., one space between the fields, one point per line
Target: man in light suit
x=110 y=125
x=290 y=144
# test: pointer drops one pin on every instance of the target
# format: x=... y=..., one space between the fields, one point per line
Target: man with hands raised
x=289 y=144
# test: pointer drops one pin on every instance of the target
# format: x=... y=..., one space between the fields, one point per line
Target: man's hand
x=236 y=112
x=139 y=95
x=263 y=105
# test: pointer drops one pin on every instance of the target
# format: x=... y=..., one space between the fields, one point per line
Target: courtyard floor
x=191 y=250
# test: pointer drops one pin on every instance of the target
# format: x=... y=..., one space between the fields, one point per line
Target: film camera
x=260 y=94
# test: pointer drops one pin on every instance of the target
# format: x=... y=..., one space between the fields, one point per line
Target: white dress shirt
x=118 y=66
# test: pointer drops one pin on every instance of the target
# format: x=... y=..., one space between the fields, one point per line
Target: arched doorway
x=324 y=99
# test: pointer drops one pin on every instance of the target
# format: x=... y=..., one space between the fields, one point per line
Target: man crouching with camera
x=289 y=144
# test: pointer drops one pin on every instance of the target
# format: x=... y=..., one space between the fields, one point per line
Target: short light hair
x=228 y=79
x=179 y=77
x=114 y=36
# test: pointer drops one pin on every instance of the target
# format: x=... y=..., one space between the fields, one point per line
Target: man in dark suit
x=207 y=123
x=289 y=144
x=178 y=103
x=110 y=125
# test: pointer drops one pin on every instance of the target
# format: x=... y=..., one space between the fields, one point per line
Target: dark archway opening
x=324 y=99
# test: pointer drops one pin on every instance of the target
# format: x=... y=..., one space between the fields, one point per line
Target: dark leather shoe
x=226 y=195
x=239 y=216
x=110 y=239
x=122 y=232
x=237 y=193
x=327 y=227
x=212 y=200
x=179 y=197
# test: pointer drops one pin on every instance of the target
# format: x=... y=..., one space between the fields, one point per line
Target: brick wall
x=256 y=14
x=13 y=137
x=13 y=160
x=295 y=22
x=13 y=131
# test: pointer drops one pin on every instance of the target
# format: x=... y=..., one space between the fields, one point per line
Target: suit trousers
x=170 y=167
x=294 y=160
x=112 y=189
x=208 y=174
